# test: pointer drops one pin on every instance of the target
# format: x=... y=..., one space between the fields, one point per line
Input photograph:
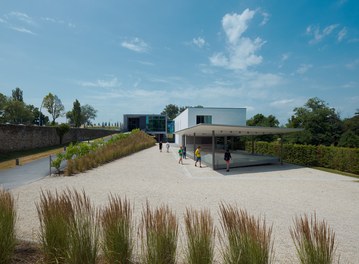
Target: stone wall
x=20 y=137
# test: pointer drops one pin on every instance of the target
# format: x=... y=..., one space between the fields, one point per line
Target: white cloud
x=240 y=51
x=303 y=68
x=102 y=83
x=282 y=103
x=318 y=34
x=235 y=25
x=342 y=33
x=199 y=42
x=58 y=21
x=285 y=56
x=265 y=18
x=136 y=44
x=22 y=17
x=23 y=30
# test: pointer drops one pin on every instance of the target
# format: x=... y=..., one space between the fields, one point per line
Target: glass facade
x=203 y=119
x=170 y=126
x=156 y=123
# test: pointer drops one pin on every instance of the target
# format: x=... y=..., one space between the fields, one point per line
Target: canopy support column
x=252 y=145
x=194 y=144
x=213 y=150
x=281 y=149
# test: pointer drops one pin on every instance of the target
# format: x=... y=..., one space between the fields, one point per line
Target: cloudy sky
x=138 y=56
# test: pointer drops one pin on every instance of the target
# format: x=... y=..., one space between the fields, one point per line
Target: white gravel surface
x=278 y=193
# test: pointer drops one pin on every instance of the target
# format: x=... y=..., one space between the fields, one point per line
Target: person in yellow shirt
x=197 y=154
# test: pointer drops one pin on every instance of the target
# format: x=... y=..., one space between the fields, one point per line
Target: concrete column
x=281 y=150
x=194 y=143
x=213 y=150
x=252 y=144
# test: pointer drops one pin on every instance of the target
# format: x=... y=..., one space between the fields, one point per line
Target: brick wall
x=18 y=137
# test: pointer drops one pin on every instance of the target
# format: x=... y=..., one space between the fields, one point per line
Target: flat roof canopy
x=227 y=130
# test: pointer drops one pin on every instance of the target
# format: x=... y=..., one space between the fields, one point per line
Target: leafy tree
x=171 y=111
x=87 y=113
x=322 y=125
x=349 y=139
x=76 y=113
x=264 y=121
x=17 y=112
x=61 y=130
x=17 y=95
x=54 y=106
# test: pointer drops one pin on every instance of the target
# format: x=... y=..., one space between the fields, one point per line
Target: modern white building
x=217 y=129
x=193 y=116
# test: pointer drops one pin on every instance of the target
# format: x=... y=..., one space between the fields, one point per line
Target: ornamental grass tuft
x=314 y=240
x=244 y=239
x=159 y=235
x=117 y=230
x=7 y=226
x=200 y=237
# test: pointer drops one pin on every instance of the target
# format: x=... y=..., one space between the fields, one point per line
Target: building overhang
x=228 y=130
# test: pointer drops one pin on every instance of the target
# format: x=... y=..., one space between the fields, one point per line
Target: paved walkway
x=278 y=193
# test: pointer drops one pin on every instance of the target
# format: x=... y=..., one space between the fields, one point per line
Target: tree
x=87 y=113
x=17 y=112
x=61 y=130
x=76 y=113
x=264 y=121
x=171 y=111
x=54 y=106
x=349 y=139
x=322 y=125
x=17 y=95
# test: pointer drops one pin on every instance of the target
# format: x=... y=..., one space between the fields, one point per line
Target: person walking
x=168 y=146
x=160 y=146
x=197 y=154
x=184 y=152
x=180 y=153
x=227 y=158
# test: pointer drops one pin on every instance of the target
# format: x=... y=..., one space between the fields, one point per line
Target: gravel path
x=278 y=193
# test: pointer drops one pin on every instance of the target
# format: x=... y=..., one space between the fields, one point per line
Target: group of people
x=197 y=154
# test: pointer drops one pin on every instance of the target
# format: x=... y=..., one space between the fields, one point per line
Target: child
x=197 y=153
x=227 y=158
x=180 y=153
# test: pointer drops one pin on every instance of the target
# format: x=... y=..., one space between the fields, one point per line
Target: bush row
x=337 y=158
x=73 y=231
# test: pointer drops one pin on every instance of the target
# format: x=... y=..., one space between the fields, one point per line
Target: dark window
x=156 y=123
x=133 y=123
x=204 y=120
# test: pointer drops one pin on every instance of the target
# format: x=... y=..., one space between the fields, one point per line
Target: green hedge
x=337 y=158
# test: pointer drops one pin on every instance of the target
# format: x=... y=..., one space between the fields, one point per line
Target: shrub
x=314 y=241
x=7 y=226
x=245 y=239
x=117 y=226
x=200 y=237
x=159 y=234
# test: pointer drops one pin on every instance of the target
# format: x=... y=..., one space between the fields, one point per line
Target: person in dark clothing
x=160 y=146
x=227 y=158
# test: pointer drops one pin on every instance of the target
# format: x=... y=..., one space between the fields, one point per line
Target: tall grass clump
x=159 y=235
x=7 y=226
x=68 y=231
x=314 y=240
x=245 y=239
x=200 y=237
x=117 y=230
x=55 y=213
x=84 y=232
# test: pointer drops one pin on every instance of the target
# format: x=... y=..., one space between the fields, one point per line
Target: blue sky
x=138 y=56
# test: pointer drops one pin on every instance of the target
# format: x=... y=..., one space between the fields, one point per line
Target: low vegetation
x=85 y=156
x=314 y=240
x=245 y=239
x=72 y=230
x=7 y=226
